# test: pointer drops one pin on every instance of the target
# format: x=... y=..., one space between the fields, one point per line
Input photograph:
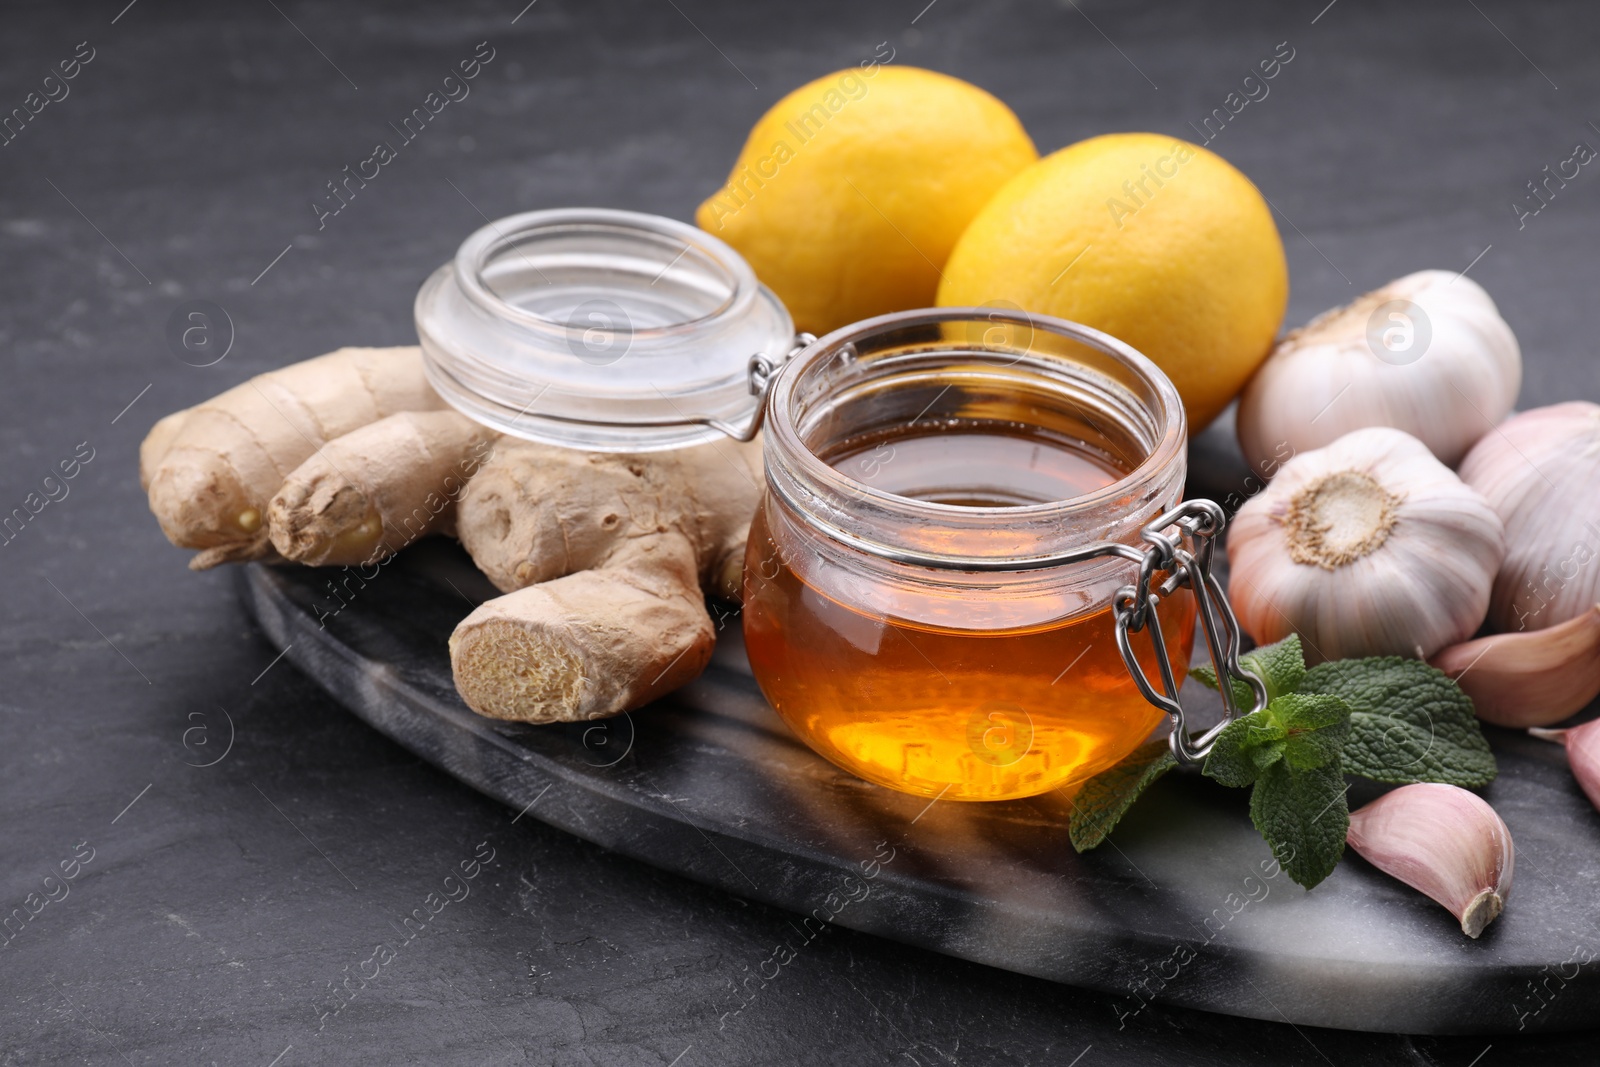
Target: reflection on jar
x=915 y=465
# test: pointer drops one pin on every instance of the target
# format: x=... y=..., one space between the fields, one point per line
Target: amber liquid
x=931 y=706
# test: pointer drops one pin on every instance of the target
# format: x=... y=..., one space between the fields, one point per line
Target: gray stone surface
x=220 y=905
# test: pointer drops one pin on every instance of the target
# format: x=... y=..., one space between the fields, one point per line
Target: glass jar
x=603 y=330
x=901 y=610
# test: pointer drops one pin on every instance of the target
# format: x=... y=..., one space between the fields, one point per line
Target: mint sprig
x=1384 y=718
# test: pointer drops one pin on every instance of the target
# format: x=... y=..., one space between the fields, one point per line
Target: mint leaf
x=1315 y=727
x=1303 y=816
x=1244 y=748
x=1408 y=722
x=1106 y=797
x=1280 y=666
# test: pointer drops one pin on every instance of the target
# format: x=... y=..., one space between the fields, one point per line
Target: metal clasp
x=762 y=369
x=1179 y=545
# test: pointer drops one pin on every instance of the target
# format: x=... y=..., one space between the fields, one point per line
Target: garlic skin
x=1541 y=471
x=1441 y=365
x=1367 y=547
x=1443 y=842
x=1533 y=678
x=1583 y=755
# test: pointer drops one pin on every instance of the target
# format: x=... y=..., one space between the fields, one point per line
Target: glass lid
x=603 y=330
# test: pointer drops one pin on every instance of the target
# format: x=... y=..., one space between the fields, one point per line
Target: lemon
x=851 y=190
x=1156 y=241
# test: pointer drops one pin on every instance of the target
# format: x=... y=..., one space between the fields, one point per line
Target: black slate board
x=1184 y=906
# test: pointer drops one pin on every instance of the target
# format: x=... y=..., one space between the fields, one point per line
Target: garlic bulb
x=1368 y=547
x=1441 y=841
x=1583 y=755
x=1541 y=471
x=1532 y=678
x=1428 y=354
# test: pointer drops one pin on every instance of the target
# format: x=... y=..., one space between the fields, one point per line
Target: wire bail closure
x=761 y=370
x=1185 y=557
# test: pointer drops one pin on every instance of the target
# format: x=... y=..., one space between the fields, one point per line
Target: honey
x=946 y=700
x=958 y=503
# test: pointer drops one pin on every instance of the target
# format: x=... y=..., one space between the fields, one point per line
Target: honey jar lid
x=604 y=330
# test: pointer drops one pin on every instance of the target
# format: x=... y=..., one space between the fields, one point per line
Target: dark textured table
x=241 y=844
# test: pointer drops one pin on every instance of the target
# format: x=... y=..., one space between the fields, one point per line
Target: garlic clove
x=1428 y=354
x=1368 y=547
x=1540 y=471
x=1533 y=678
x=1583 y=754
x=1442 y=841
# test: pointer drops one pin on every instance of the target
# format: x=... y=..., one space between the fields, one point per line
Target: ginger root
x=373 y=491
x=606 y=557
x=210 y=471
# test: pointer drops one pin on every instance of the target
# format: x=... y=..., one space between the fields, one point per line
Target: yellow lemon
x=851 y=191
x=1156 y=241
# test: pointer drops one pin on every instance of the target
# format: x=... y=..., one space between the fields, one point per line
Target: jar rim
x=495 y=236
x=815 y=474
